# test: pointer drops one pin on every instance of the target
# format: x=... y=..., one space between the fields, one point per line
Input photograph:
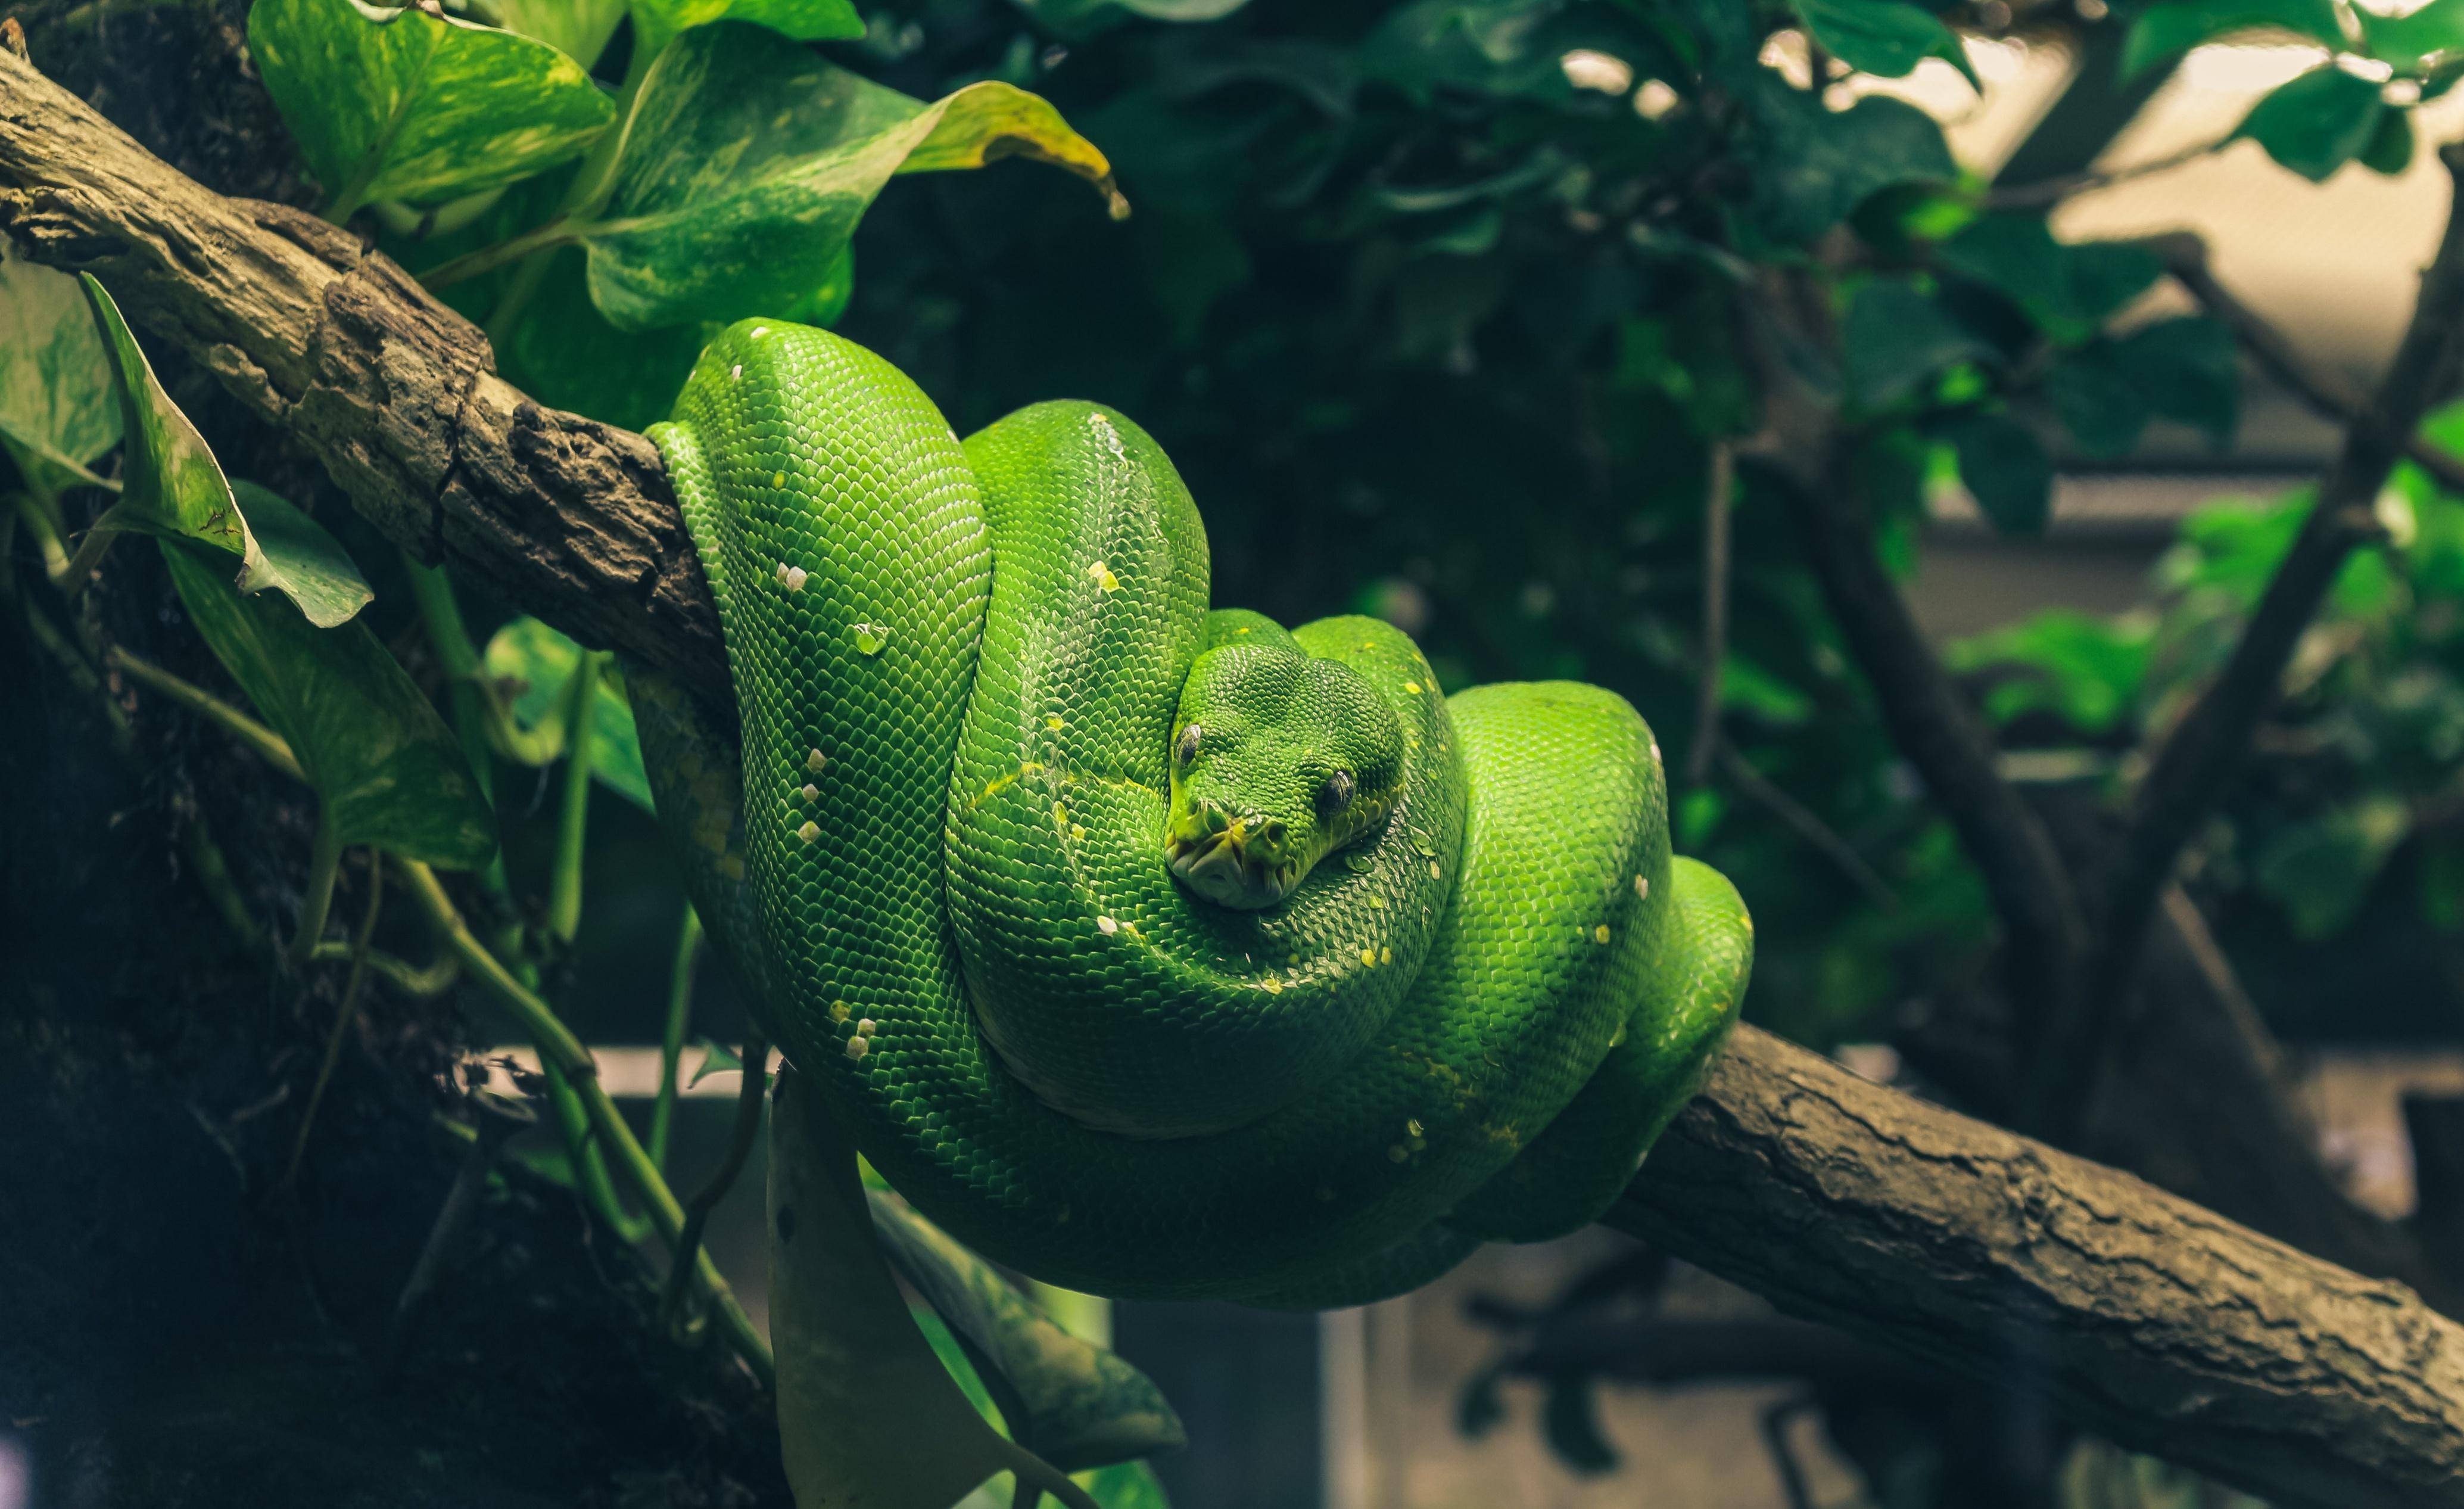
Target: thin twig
x=672 y=1041
x=344 y=1015
x=722 y=1179
x=1807 y=826
x=1718 y=484
x=2326 y=390
x=2052 y=191
x=424 y=982
x=2192 y=768
x=262 y=742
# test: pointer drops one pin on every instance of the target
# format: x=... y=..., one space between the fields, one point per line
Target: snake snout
x=1232 y=859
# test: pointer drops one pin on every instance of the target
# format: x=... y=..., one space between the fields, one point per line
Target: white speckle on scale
x=1111 y=436
x=1102 y=576
x=1643 y=886
x=735 y=373
x=1107 y=926
x=1655 y=751
x=795 y=577
x=810 y=831
x=761 y=330
x=858 y=1047
x=864 y=1026
x=815 y=760
x=811 y=793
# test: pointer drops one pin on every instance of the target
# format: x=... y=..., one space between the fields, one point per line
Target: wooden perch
x=2147 y=1318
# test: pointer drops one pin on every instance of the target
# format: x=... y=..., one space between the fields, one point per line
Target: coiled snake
x=1150 y=950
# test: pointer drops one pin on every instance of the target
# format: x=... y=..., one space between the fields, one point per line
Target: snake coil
x=1017 y=850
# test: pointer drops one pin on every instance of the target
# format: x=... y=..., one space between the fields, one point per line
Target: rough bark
x=395 y=393
x=2152 y=1320
x=2161 y=1322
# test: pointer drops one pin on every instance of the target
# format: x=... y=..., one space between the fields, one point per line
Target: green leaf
x=1570 y=1422
x=2085 y=669
x=564 y=352
x=1894 y=337
x=300 y=560
x=1077 y=19
x=2005 y=468
x=658 y=22
x=2390 y=147
x=1501 y=48
x=1883 y=37
x=748 y=162
x=2067 y=289
x=578 y=29
x=58 y=410
x=2096 y=401
x=716 y=1059
x=400 y=104
x=1812 y=165
x=2321 y=870
x=1125 y=1485
x=172 y=487
x=388 y=769
x=2187 y=370
x=2169 y=28
x=537 y=662
x=2418 y=37
x=2315 y=124
x=1071 y=1403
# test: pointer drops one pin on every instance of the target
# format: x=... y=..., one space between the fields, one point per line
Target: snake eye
x=1185 y=749
x=1336 y=794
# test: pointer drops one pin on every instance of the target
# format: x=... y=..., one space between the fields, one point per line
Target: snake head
x=1278 y=760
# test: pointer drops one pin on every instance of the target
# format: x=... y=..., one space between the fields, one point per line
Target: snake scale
x=1151 y=950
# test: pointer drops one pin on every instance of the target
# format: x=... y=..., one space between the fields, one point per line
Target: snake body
x=1150 y=950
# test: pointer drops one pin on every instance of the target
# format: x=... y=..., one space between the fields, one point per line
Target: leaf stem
x=325 y=858
x=471 y=264
x=672 y=1046
x=46 y=532
x=344 y=1015
x=589 y=1163
x=573 y=820
x=262 y=742
x=91 y=551
x=423 y=981
x=706 y=1199
x=557 y=1044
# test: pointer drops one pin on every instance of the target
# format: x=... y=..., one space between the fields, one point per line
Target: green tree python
x=1151 y=950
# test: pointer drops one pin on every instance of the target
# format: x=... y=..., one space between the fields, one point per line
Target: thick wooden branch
x=2161 y=1322
x=396 y=395
x=2151 y=1319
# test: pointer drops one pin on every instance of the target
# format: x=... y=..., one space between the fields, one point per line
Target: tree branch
x=396 y=395
x=2163 y=1325
x=2148 y=1318
x=2325 y=391
x=1928 y=720
x=2187 y=779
